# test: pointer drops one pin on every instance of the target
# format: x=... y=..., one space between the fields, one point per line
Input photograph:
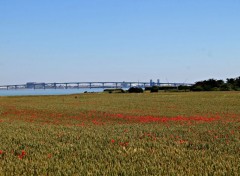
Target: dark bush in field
x=167 y=88
x=148 y=88
x=207 y=85
x=207 y=88
x=225 y=87
x=154 y=89
x=197 y=88
x=215 y=89
x=157 y=88
x=114 y=90
x=217 y=85
x=185 y=88
x=234 y=83
x=135 y=90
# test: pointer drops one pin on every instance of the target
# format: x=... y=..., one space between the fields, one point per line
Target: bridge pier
x=66 y=86
x=55 y=85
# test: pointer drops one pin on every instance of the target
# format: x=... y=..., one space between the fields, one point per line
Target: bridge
x=78 y=85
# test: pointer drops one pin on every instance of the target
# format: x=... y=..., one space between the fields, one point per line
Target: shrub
x=207 y=88
x=167 y=88
x=197 y=88
x=114 y=90
x=154 y=89
x=185 y=88
x=148 y=88
x=225 y=87
x=215 y=89
x=135 y=90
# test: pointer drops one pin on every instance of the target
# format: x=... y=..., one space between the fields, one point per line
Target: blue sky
x=118 y=40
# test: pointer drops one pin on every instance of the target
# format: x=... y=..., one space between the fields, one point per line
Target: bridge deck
x=66 y=85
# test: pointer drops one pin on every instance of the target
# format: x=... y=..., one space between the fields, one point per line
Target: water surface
x=22 y=92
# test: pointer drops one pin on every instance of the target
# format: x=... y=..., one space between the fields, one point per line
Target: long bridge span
x=91 y=85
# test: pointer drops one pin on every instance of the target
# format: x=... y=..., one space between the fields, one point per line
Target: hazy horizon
x=122 y=40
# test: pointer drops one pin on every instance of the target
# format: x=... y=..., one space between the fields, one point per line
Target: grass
x=121 y=134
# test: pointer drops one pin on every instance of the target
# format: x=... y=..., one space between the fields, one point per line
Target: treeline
x=214 y=85
x=230 y=84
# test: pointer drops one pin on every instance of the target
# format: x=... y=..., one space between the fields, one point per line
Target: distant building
x=151 y=82
x=30 y=85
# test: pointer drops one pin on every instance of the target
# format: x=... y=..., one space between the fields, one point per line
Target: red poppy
x=22 y=154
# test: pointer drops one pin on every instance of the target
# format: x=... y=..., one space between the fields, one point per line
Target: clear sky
x=118 y=40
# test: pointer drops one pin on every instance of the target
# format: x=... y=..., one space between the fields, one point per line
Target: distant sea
x=26 y=92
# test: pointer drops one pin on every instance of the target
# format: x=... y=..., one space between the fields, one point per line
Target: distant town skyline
x=122 y=40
